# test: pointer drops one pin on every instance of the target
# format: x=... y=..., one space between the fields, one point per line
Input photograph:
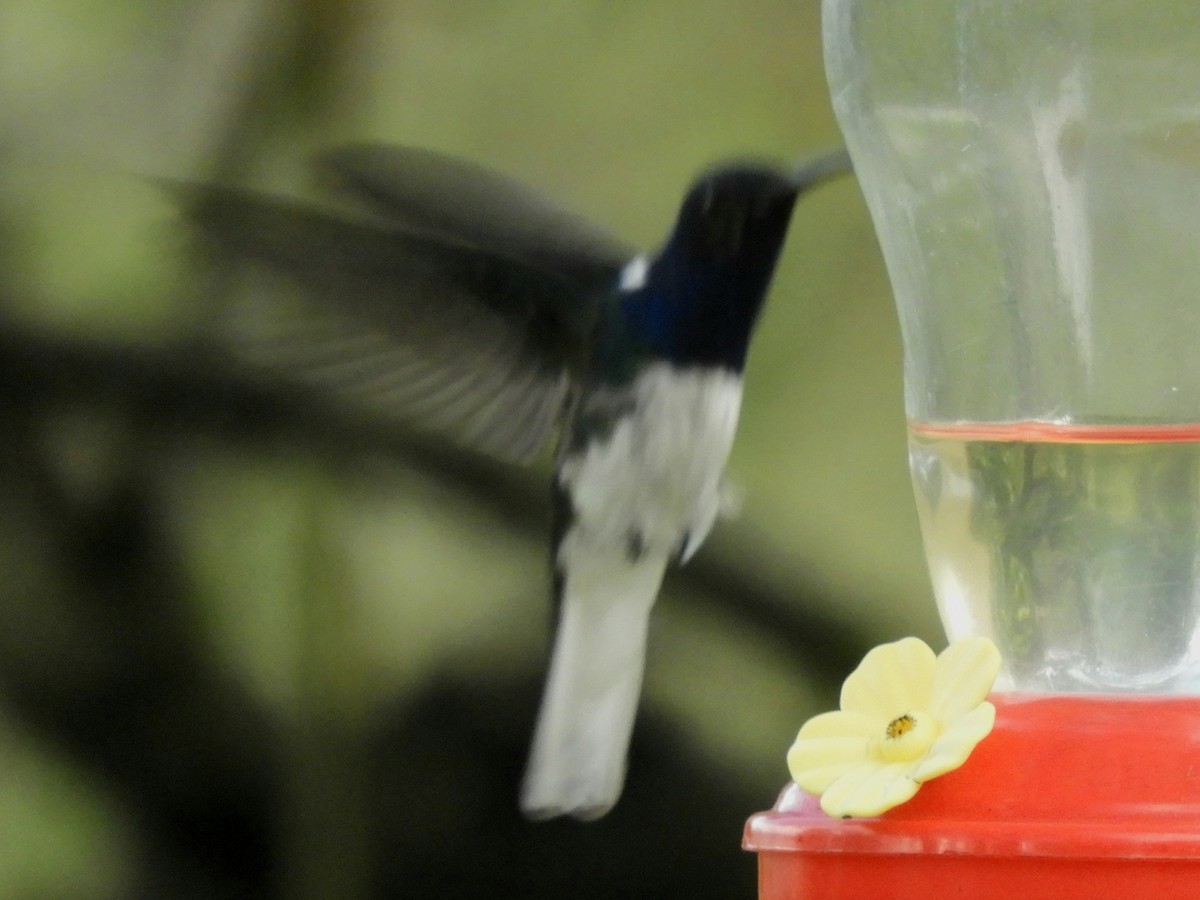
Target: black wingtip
x=813 y=170
x=201 y=205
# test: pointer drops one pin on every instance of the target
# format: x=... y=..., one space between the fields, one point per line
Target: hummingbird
x=444 y=292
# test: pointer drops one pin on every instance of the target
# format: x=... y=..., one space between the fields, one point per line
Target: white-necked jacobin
x=457 y=296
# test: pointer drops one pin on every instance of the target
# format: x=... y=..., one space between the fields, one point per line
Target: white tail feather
x=577 y=763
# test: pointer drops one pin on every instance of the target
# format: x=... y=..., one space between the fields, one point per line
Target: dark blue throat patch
x=696 y=314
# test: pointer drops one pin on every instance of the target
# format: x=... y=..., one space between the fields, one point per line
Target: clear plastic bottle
x=1033 y=171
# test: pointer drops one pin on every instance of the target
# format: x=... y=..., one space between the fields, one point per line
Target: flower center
x=908 y=736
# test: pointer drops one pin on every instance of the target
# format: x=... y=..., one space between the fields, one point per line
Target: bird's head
x=736 y=215
x=705 y=287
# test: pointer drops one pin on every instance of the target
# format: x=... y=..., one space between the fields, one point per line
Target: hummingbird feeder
x=1032 y=168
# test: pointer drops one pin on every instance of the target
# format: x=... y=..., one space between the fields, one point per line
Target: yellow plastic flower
x=906 y=716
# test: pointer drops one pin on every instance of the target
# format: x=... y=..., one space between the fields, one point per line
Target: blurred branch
x=100 y=652
x=193 y=387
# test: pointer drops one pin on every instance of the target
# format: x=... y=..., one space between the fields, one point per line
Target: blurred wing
x=400 y=325
x=467 y=203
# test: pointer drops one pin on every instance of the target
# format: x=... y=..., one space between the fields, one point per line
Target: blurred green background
x=249 y=649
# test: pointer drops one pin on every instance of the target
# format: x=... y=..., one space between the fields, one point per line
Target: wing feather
x=402 y=324
x=468 y=203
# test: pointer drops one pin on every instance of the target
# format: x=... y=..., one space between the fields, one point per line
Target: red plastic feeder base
x=1069 y=797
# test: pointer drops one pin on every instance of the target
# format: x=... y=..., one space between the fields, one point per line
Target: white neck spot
x=633 y=276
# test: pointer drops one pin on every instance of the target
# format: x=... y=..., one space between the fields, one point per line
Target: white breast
x=657 y=477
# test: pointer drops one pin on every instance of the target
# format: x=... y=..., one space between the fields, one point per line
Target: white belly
x=655 y=480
